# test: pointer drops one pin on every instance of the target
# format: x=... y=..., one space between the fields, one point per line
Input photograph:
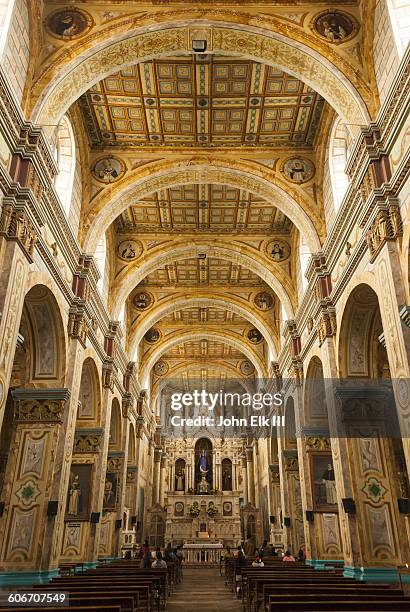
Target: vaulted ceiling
x=191 y=208
x=201 y=100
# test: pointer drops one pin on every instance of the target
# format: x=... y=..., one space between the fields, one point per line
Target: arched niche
x=115 y=438
x=204 y=461
x=361 y=349
x=226 y=477
x=315 y=408
x=89 y=397
x=40 y=357
x=180 y=472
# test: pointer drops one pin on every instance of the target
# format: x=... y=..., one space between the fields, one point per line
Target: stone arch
x=161 y=175
x=41 y=346
x=195 y=334
x=115 y=438
x=89 y=399
x=357 y=346
x=173 y=304
x=314 y=405
x=181 y=250
x=166 y=34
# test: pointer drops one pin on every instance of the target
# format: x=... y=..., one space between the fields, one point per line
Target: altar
x=203 y=520
x=202 y=554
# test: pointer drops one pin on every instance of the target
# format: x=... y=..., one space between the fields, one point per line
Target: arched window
x=304 y=256
x=64 y=153
x=399 y=17
x=339 y=145
x=6 y=12
x=100 y=255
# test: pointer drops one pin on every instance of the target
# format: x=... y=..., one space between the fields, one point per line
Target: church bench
x=144 y=590
x=126 y=602
x=142 y=593
x=348 y=605
x=84 y=608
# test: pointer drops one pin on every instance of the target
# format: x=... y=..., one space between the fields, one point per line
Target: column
x=163 y=471
x=34 y=462
x=250 y=475
x=156 y=476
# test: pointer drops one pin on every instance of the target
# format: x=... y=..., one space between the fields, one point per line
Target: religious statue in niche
x=324 y=484
x=129 y=250
x=298 y=169
x=142 y=300
x=255 y=336
x=180 y=475
x=79 y=495
x=264 y=300
x=69 y=23
x=108 y=169
x=203 y=465
x=152 y=335
x=335 y=27
x=226 y=475
x=278 y=250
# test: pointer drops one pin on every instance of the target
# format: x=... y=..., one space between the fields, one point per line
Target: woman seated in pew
x=301 y=557
x=288 y=556
x=258 y=562
x=159 y=562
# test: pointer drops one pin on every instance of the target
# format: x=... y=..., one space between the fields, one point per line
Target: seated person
x=159 y=562
x=288 y=556
x=258 y=562
x=273 y=552
x=301 y=555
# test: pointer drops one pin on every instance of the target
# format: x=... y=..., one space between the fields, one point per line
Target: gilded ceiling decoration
x=201 y=100
x=208 y=271
x=204 y=349
x=204 y=315
x=213 y=208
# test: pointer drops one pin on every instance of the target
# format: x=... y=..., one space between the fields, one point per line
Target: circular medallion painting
x=128 y=250
x=247 y=368
x=227 y=508
x=161 y=368
x=264 y=300
x=335 y=26
x=255 y=336
x=152 y=335
x=109 y=169
x=179 y=508
x=143 y=300
x=278 y=250
x=298 y=169
x=69 y=23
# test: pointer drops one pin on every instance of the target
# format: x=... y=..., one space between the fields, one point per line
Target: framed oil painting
x=79 y=492
x=110 y=491
x=323 y=482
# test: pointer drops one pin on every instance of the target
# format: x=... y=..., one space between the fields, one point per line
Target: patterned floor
x=200 y=590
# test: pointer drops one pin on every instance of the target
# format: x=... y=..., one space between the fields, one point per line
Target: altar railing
x=203 y=554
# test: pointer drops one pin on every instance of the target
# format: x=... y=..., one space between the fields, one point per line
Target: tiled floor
x=202 y=589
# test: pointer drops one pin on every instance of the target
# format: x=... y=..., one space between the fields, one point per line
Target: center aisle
x=202 y=589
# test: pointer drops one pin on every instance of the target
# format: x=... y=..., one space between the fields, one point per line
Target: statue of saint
x=203 y=486
x=203 y=462
x=180 y=480
x=226 y=480
x=74 y=495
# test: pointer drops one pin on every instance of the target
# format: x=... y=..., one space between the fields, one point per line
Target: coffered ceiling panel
x=209 y=271
x=214 y=208
x=204 y=315
x=203 y=349
x=201 y=100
